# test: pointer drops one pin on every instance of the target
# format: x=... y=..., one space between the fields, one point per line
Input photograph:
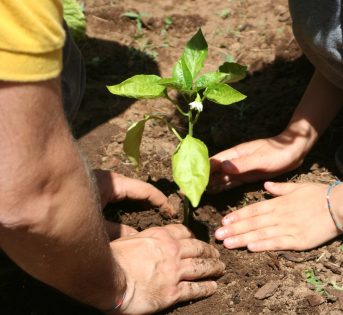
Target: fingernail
x=220 y=234
x=227 y=220
x=230 y=242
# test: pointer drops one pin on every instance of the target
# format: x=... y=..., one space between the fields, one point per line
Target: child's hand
x=255 y=160
x=297 y=219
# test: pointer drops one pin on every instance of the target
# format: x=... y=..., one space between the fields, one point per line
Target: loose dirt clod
x=267 y=290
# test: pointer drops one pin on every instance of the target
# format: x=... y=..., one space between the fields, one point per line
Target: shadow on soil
x=273 y=92
x=108 y=63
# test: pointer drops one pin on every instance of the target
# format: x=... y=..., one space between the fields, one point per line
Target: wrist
x=335 y=203
x=117 y=306
x=112 y=302
x=301 y=135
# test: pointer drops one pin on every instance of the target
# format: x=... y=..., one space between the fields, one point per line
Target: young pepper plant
x=190 y=161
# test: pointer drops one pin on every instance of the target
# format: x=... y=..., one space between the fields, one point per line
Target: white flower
x=196 y=105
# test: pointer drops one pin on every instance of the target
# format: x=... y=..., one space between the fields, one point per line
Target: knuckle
x=254 y=222
x=253 y=210
x=173 y=248
x=160 y=232
x=262 y=234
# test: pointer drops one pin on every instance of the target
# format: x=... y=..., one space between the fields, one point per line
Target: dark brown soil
x=251 y=32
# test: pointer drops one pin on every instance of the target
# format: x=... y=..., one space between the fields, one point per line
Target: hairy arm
x=50 y=218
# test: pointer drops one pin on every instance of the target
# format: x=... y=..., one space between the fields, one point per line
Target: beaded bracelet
x=331 y=186
x=116 y=306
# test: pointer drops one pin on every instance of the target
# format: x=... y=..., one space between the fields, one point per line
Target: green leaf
x=170 y=82
x=195 y=53
x=209 y=78
x=131 y=15
x=182 y=75
x=234 y=72
x=133 y=140
x=139 y=86
x=191 y=168
x=223 y=94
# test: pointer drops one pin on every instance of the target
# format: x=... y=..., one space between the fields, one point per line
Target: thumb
x=280 y=189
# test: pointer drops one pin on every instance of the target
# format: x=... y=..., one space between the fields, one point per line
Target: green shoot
x=224 y=14
x=138 y=17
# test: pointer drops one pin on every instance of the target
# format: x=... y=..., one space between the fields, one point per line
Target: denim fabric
x=73 y=77
x=317 y=26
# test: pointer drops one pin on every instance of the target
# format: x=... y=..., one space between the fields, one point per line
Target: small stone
x=110 y=163
x=267 y=290
x=315 y=300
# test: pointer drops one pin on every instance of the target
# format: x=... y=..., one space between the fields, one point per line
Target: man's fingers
x=198 y=268
x=192 y=248
x=134 y=189
x=196 y=290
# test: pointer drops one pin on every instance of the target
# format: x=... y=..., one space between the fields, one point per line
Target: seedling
x=167 y=23
x=224 y=14
x=138 y=17
x=320 y=286
x=190 y=161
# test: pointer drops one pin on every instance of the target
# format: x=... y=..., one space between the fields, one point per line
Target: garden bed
x=254 y=33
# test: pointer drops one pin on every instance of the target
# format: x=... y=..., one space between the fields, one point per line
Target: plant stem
x=169 y=125
x=196 y=118
x=190 y=123
x=176 y=105
x=186 y=212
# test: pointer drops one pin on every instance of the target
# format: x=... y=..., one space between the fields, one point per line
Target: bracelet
x=116 y=306
x=331 y=186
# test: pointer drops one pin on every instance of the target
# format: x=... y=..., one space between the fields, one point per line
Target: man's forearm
x=50 y=217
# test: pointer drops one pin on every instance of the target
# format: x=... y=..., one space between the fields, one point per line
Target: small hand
x=114 y=187
x=297 y=219
x=162 y=267
x=253 y=161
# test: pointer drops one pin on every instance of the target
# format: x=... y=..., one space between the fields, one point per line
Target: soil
x=254 y=33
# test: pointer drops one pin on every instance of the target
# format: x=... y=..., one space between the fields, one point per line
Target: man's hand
x=162 y=265
x=114 y=187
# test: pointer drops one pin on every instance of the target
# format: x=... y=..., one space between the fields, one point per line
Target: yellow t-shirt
x=31 y=39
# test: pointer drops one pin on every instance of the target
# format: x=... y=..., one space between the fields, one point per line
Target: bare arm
x=318 y=107
x=266 y=158
x=50 y=217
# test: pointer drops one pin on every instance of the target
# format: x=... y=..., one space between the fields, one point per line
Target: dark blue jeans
x=73 y=77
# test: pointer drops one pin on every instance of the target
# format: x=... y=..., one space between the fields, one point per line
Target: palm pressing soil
x=251 y=32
